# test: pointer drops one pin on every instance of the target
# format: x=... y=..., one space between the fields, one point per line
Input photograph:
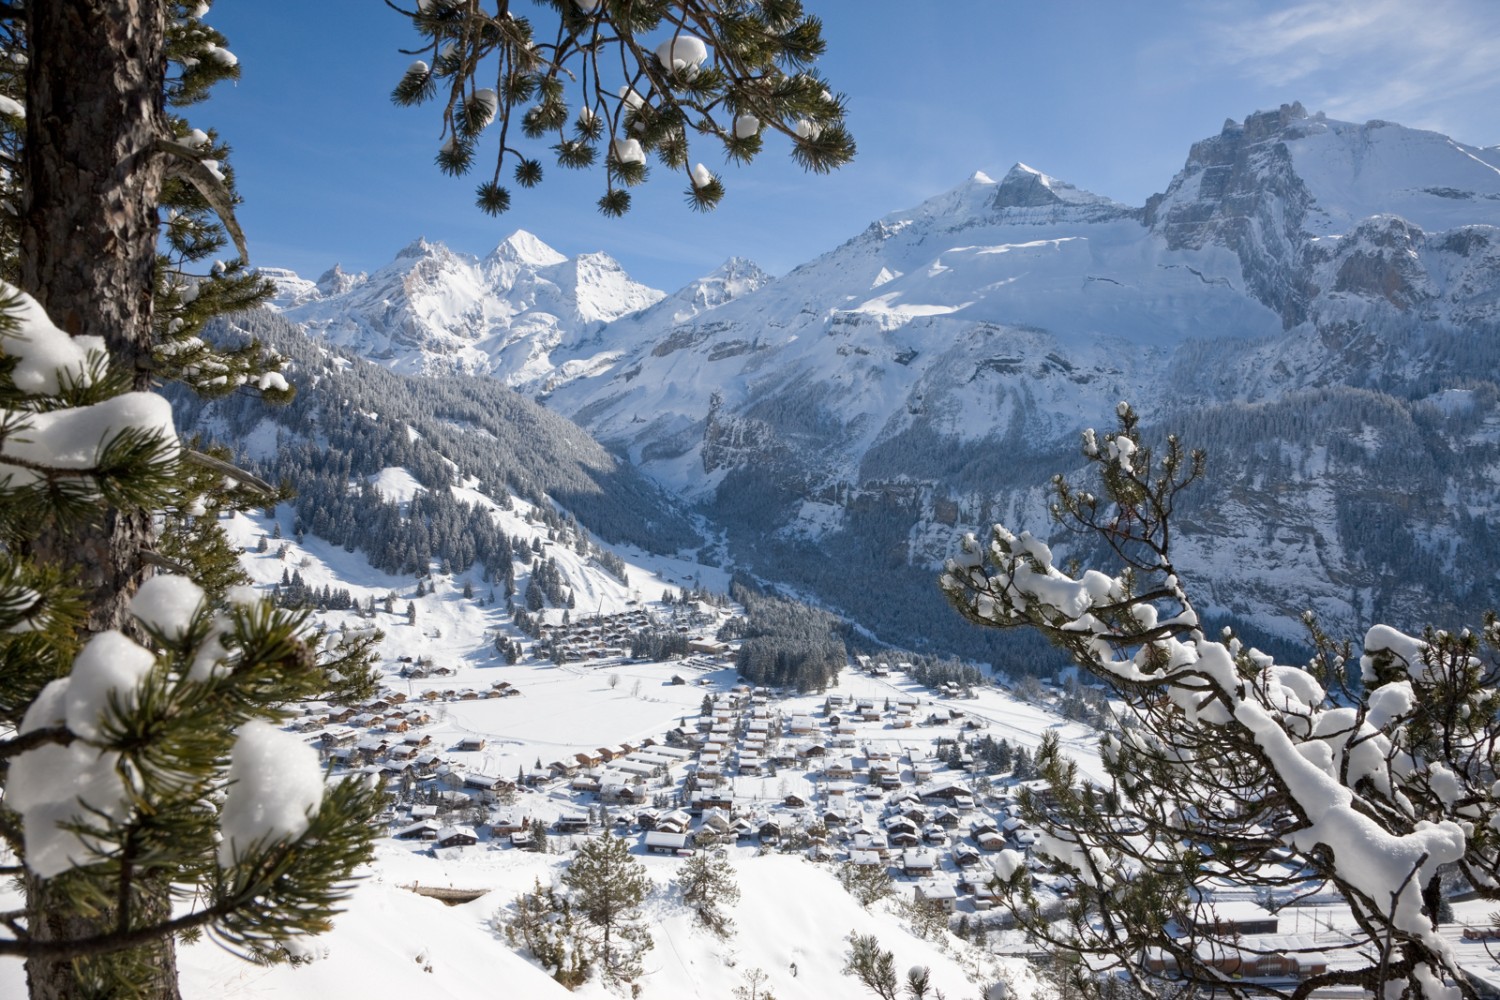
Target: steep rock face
x=1240 y=190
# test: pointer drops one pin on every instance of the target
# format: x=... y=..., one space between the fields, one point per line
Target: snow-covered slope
x=930 y=373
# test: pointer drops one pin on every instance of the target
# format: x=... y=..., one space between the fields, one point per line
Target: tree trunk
x=92 y=180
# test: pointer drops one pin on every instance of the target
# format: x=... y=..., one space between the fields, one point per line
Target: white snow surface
x=275 y=787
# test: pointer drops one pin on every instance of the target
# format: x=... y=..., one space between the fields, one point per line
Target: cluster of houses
x=594 y=637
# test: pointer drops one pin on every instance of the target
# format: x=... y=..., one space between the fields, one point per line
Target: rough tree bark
x=95 y=109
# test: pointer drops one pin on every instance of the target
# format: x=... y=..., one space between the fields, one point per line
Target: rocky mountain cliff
x=1315 y=301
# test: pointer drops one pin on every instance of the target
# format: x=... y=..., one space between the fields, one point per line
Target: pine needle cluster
x=621 y=82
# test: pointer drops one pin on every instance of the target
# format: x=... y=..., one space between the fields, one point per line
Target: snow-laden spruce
x=1232 y=769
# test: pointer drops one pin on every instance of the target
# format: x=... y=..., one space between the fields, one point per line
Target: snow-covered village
x=654 y=499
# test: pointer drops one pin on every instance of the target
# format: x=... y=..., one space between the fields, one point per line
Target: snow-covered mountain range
x=1316 y=301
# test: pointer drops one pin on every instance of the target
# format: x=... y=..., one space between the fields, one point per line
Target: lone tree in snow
x=707 y=884
x=1356 y=774
x=608 y=887
x=621 y=82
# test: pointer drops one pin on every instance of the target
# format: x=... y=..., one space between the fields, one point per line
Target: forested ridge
x=352 y=419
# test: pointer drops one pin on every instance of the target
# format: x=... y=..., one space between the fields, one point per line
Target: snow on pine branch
x=1366 y=787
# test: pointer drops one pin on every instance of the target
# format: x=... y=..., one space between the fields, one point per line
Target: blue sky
x=1104 y=94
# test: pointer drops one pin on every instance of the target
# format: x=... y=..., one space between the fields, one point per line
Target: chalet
x=866 y=859
x=840 y=790
x=471 y=743
x=572 y=822
x=662 y=842
x=794 y=801
x=563 y=768
x=900 y=824
x=965 y=856
x=743 y=829
x=585 y=759
x=632 y=795
x=801 y=726
x=712 y=799
x=770 y=832
x=841 y=769
x=877 y=842
x=913 y=811
x=606 y=754
x=903 y=838
x=935 y=835
x=985 y=824
x=676 y=821
x=938 y=893
x=505 y=823
x=585 y=783
x=456 y=836
x=917 y=863
x=946 y=791
x=424 y=829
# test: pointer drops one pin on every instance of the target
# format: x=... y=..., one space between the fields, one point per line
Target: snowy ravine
x=1308 y=299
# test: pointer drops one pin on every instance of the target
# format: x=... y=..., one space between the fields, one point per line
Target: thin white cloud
x=1399 y=59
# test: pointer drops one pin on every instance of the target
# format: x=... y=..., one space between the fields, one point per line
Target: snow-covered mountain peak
x=291 y=288
x=1027 y=187
x=419 y=248
x=524 y=248
x=969 y=200
x=337 y=281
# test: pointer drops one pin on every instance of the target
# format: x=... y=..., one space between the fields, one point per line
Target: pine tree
x=174 y=699
x=707 y=884
x=580 y=81
x=85 y=243
x=1275 y=780
x=608 y=886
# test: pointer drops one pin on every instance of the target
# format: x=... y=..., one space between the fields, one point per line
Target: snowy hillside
x=793 y=918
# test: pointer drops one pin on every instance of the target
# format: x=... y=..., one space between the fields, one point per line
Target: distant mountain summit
x=432 y=310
